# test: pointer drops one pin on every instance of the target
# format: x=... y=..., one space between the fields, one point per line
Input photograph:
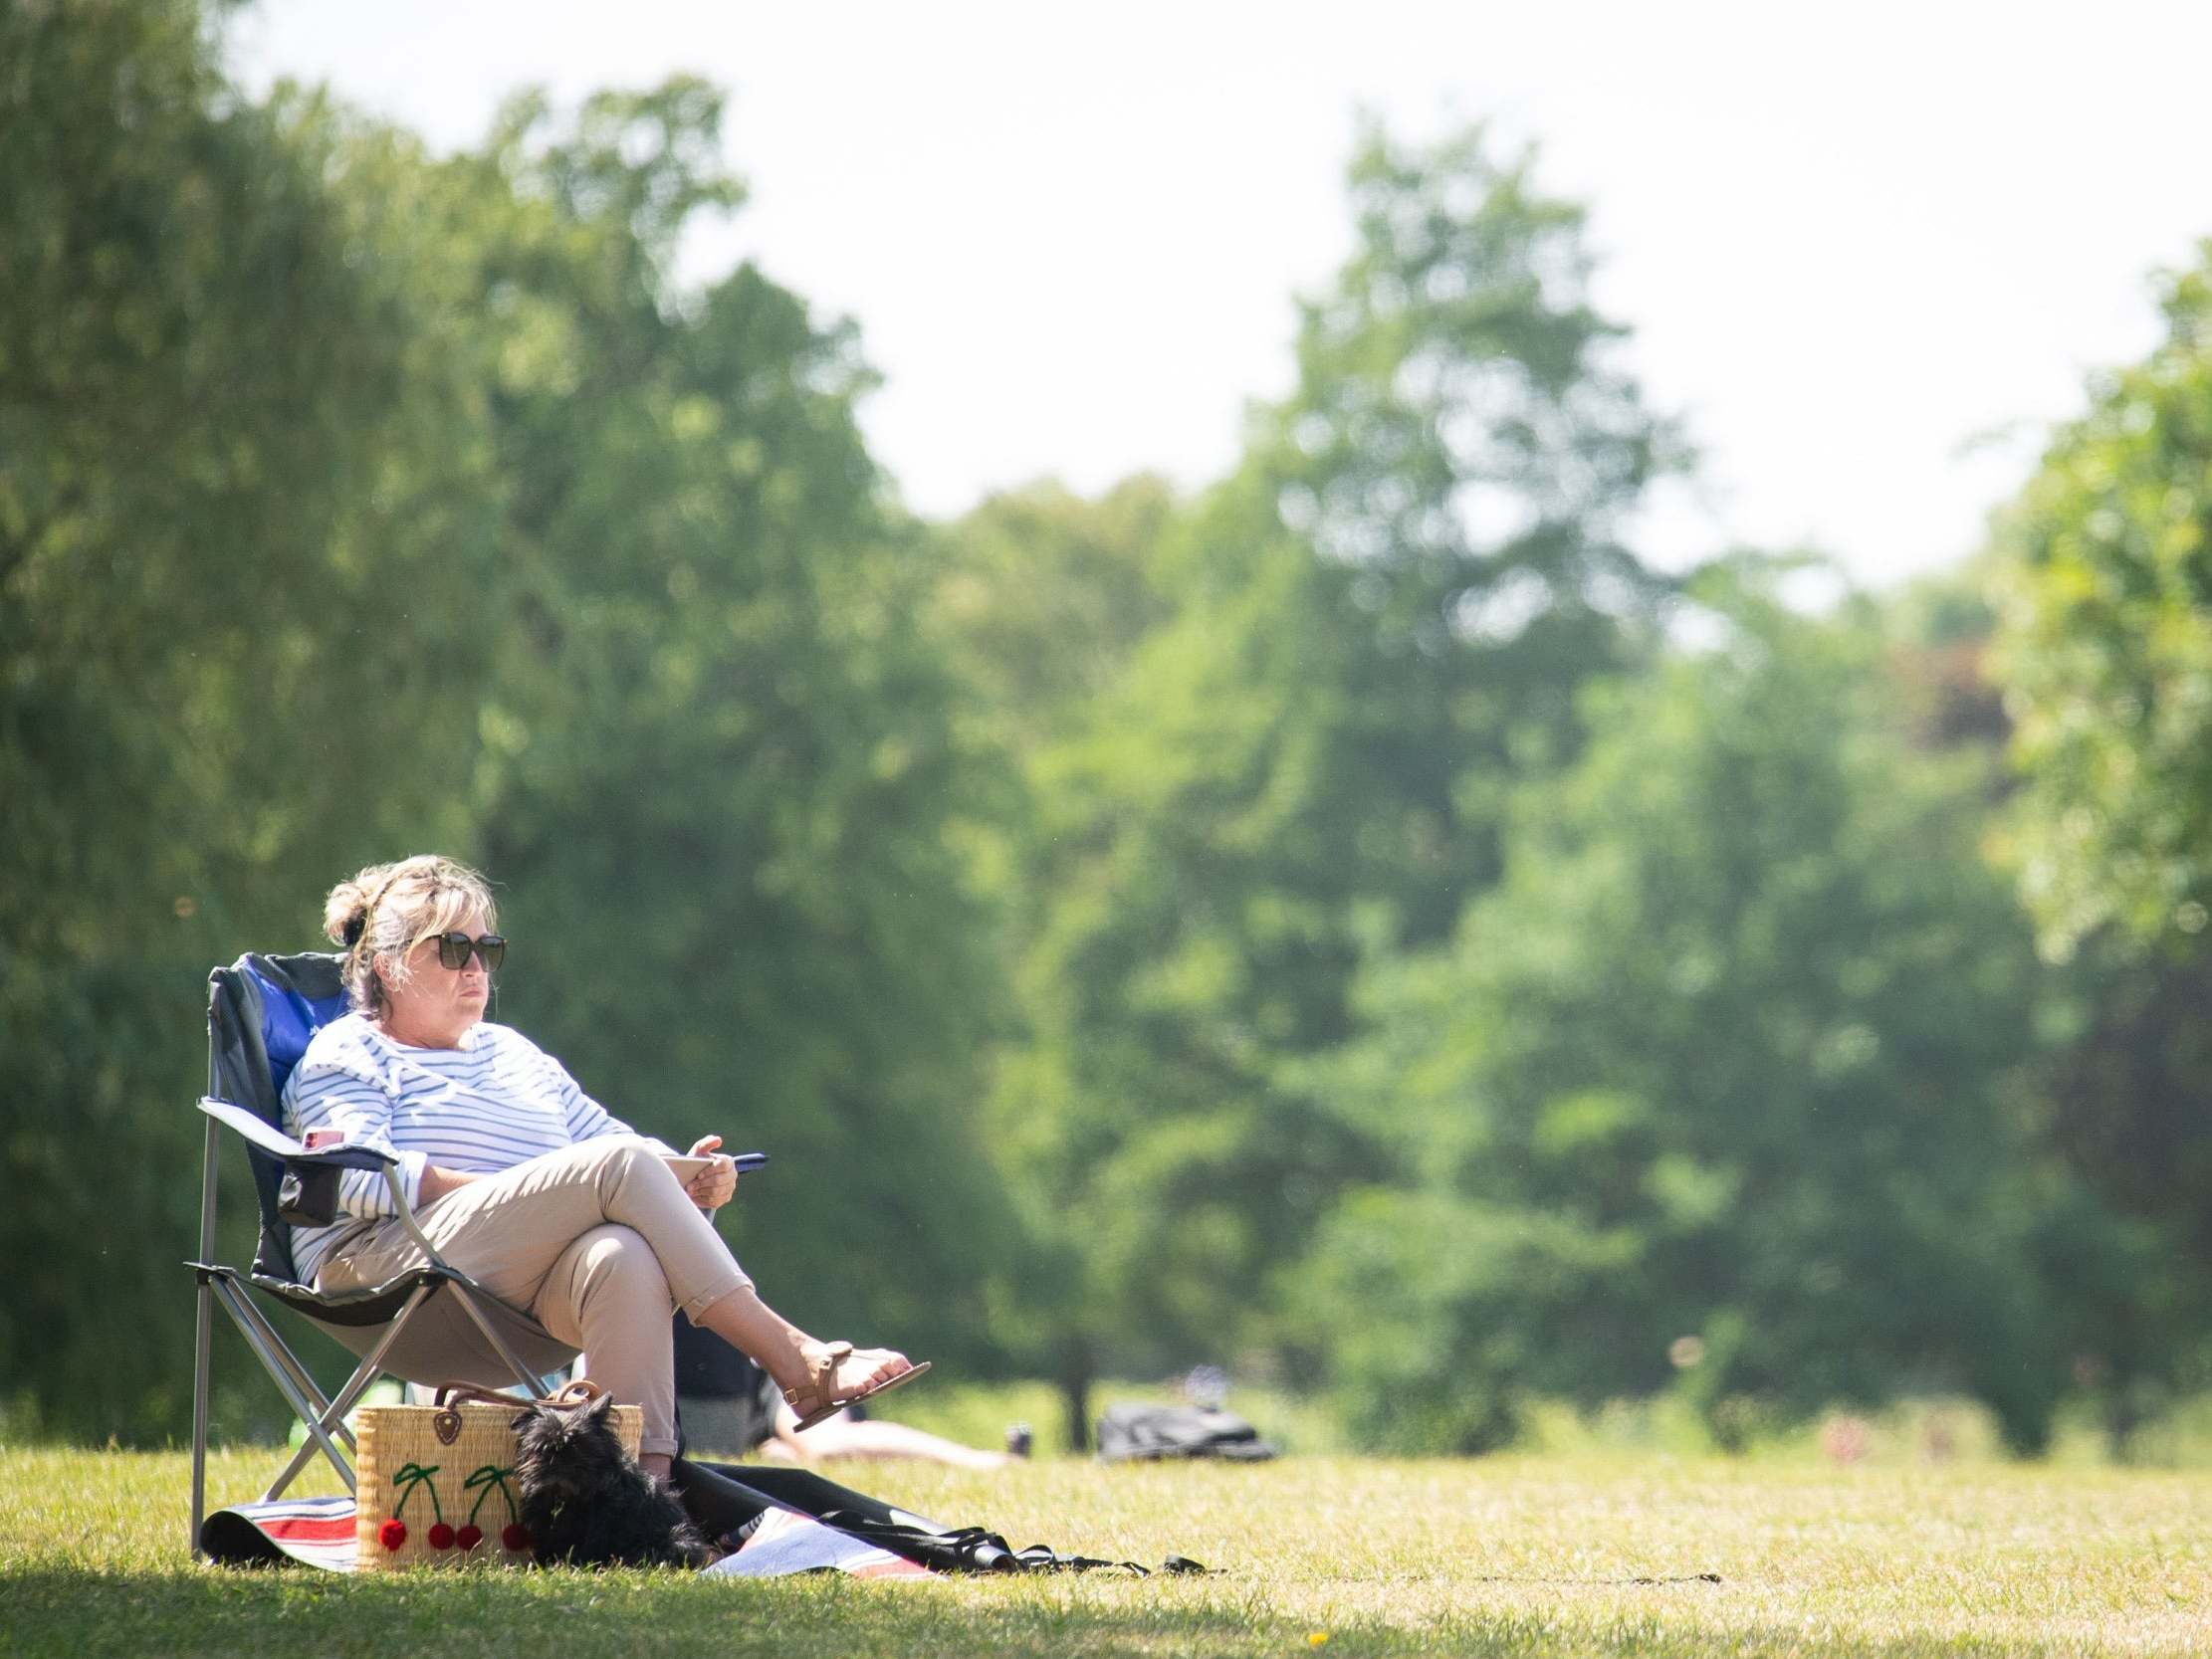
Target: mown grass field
x=1515 y=1555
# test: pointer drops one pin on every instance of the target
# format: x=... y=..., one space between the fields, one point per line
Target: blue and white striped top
x=496 y=1101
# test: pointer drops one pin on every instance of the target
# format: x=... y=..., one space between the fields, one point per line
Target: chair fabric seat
x=377 y=1304
x=440 y=1345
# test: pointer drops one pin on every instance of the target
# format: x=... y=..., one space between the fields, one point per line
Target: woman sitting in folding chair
x=518 y=1178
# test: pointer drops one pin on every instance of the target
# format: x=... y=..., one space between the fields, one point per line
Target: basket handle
x=580 y=1393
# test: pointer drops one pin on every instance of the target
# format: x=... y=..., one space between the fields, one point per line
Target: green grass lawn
x=1507 y=1555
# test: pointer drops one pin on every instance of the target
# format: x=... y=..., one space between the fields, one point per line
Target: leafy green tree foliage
x=1937 y=634
x=719 y=763
x=1043 y=604
x=1723 y=1059
x=1185 y=935
x=1371 y=629
x=354 y=503
x=1462 y=449
x=2105 y=572
x=2102 y=572
x=1088 y=876
x=2122 y=1096
x=223 y=477
x=1040 y=598
x=2117 y=1087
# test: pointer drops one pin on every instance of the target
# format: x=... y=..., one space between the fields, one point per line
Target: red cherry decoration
x=392 y=1534
x=513 y=1537
x=441 y=1536
x=470 y=1537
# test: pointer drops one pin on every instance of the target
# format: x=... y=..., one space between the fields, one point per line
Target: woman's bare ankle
x=771 y=1341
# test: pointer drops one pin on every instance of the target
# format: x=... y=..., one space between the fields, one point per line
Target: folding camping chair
x=262 y=1010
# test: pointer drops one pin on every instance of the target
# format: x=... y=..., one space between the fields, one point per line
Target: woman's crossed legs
x=596 y=1242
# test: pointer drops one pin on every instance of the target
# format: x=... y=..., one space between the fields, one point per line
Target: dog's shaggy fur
x=586 y=1503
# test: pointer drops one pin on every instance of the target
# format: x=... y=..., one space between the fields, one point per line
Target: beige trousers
x=596 y=1242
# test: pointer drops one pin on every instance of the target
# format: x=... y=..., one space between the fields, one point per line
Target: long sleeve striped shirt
x=496 y=1101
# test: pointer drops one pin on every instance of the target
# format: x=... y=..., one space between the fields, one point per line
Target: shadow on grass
x=295 y=1613
x=298 y=1613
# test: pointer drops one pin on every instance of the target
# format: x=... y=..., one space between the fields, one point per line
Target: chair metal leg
x=203 y=1340
x=349 y=1395
x=233 y=1298
x=290 y=1362
x=202 y=1347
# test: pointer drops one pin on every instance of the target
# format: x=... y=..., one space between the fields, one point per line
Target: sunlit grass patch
x=1509 y=1555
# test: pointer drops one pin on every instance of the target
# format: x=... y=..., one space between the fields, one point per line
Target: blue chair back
x=290 y=1018
x=261 y=1012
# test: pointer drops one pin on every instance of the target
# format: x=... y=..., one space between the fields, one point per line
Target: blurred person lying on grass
x=730 y=1406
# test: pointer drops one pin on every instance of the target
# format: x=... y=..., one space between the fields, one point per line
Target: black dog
x=586 y=1503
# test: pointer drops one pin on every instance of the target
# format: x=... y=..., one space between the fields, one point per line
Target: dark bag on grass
x=726 y=1500
x=1132 y=1432
x=972 y=1549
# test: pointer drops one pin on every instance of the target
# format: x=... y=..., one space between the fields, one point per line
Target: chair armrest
x=277 y=1143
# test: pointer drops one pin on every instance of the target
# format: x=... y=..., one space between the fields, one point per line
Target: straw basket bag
x=435 y=1484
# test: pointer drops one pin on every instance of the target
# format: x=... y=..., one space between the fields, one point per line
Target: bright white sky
x=1850 y=240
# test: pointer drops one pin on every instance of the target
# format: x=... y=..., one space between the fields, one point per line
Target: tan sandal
x=814 y=1399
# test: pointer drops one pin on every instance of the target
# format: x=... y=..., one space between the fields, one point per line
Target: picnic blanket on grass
x=315 y=1530
x=319 y=1531
x=789 y=1520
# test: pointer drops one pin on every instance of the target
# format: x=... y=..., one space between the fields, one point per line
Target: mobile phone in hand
x=688 y=1169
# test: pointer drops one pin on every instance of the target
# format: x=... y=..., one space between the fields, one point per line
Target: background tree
x=721 y=765
x=2104 y=578
x=1330 y=919
x=1723 y=1059
x=1372 y=627
x=1039 y=599
x=1461 y=451
x=229 y=466
x=353 y=504
x=2104 y=573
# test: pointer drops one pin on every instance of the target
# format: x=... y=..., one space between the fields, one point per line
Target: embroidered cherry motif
x=414 y=1478
x=484 y=1482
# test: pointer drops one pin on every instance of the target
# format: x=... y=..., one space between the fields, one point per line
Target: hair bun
x=345 y=911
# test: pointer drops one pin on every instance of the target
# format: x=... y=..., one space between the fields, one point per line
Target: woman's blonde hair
x=390 y=908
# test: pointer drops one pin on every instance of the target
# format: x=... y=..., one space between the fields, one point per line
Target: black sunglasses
x=454 y=948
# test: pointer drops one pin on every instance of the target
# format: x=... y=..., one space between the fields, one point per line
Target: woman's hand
x=711 y=1188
